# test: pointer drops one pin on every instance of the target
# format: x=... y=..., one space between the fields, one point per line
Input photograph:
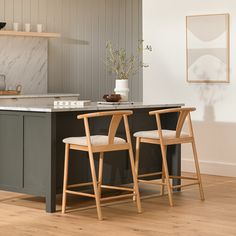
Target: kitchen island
x=32 y=152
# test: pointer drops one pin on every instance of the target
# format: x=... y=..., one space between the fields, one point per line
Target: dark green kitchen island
x=32 y=152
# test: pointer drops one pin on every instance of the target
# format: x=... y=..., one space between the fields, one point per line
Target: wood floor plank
x=23 y=215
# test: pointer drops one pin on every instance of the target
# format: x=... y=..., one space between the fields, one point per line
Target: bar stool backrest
x=184 y=114
x=114 y=123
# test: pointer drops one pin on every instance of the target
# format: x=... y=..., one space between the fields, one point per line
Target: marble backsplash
x=24 y=61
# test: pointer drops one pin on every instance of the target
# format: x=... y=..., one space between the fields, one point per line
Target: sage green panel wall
x=76 y=60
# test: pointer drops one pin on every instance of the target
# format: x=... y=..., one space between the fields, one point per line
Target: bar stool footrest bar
x=149 y=174
x=80 y=193
x=117 y=197
x=117 y=188
x=184 y=185
x=150 y=182
x=79 y=185
x=183 y=177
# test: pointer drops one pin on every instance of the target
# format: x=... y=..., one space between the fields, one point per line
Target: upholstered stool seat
x=153 y=134
x=96 y=140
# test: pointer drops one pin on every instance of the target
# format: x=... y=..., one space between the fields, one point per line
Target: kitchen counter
x=93 y=107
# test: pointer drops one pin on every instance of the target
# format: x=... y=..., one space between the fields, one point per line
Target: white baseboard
x=211 y=168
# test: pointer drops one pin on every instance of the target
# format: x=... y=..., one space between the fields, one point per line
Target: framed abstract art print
x=207 y=48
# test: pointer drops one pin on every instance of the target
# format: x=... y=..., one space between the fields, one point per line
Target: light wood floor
x=25 y=215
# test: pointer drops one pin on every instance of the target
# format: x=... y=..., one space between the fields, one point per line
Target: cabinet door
x=11 y=151
x=37 y=152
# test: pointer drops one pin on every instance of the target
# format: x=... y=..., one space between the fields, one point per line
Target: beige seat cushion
x=153 y=134
x=96 y=140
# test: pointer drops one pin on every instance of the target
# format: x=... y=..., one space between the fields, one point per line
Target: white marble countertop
x=48 y=95
x=93 y=107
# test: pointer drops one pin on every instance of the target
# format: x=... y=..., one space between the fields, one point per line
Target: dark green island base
x=32 y=152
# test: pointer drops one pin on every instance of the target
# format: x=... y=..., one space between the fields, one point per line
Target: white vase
x=122 y=88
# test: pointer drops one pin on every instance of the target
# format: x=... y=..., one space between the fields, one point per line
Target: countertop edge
x=94 y=107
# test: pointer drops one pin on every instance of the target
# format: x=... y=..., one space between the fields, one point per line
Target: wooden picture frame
x=207 y=48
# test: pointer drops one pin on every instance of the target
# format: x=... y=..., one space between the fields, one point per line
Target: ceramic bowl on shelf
x=112 y=97
x=2 y=25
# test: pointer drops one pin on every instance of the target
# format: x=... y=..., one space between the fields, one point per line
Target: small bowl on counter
x=2 y=25
x=112 y=97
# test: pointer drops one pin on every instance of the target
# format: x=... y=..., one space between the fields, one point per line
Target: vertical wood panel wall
x=76 y=61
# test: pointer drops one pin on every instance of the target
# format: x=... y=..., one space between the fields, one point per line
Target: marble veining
x=24 y=61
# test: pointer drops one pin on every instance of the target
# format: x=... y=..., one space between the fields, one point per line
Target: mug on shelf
x=39 y=28
x=27 y=27
x=15 y=26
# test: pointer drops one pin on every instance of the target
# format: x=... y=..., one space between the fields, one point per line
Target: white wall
x=165 y=80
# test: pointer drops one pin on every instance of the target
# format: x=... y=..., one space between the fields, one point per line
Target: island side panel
x=39 y=157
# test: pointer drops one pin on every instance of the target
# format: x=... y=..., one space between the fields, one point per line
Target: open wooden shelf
x=9 y=92
x=29 y=34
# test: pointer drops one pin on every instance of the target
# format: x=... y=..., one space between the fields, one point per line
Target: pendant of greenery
x=120 y=64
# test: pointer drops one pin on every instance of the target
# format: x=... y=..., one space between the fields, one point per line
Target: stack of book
x=71 y=103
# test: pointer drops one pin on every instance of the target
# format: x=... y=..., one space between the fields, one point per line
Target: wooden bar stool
x=164 y=138
x=101 y=144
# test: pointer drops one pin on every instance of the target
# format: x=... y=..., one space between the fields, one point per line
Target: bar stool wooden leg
x=135 y=180
x=95 y=185
x=168 y=184
x=198 y=170
x=163 y=181
x=137 y=151
x=66 y=162
x=100 y=174
x=137 y=155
